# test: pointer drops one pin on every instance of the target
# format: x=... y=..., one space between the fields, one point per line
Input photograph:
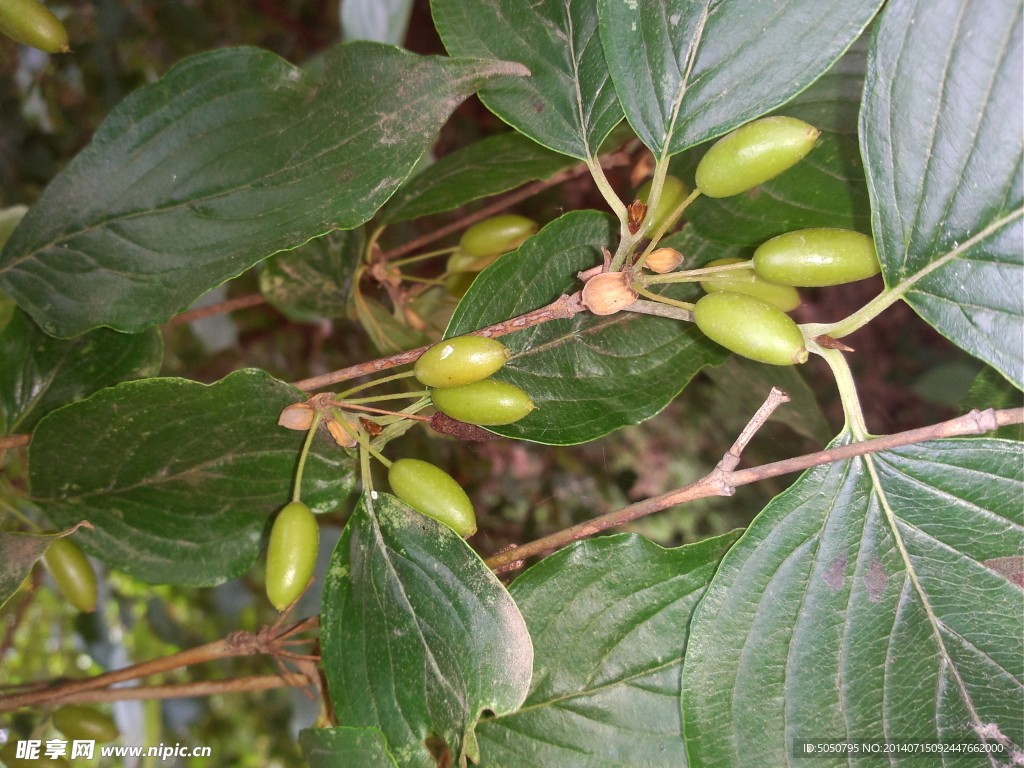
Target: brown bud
x=372 y=427
x=298 y=416
x=663 y=260
x=636 y=211
x=607 y=293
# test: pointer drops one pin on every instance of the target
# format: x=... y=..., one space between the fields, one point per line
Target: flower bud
x=663 y=260
x=607 y=293
x=298 y=416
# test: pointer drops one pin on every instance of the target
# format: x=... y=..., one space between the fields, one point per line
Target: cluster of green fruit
x=458 y=371
x=745 y=306
x=76 y=722
x=31 y=23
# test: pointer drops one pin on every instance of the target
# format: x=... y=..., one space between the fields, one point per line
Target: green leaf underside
x=486 y=167
x=418 y=635
x=943 y=152
x=40 y=373
x=609 y=621
x=686 y=72
x=345 y=747
x=233 y=155
x=18 y=553
x=825 y=189
x=588 y=375
x=568 y=103
x=180 y=478
x=315 y=279
x=864 y=603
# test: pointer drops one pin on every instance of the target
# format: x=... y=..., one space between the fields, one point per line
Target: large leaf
x=609 y=622
x=941 y=138
x=340 y=747
x=687 y=71
x=315 y=279
x=418 y=636
x=568 y=103
x=825 y=189
x=232 y=156
x=589 y=375
x=863 y=603
x=180 y=478
x=486 y=167
x=40 y=373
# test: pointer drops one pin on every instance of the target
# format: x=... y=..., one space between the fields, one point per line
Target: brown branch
x=608 y=161
x=564 y=307
x=221 y=308
x=721 y=482
x=14 y=441
x=236 y=644
x=181 y=690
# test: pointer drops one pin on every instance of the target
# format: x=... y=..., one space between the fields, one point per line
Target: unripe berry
x=291 y=554
x=72 y=573
x=750 y=327
x=817 y=257
x=432 y=491
x=461 y=360
x=488 y=403
x=496 y=235
x=753 y=154
x=747 y=281
x=85 y=723
x=32 y=23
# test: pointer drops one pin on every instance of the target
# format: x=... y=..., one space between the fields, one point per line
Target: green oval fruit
x=673 y=192
x=460 y=361
x=816 y=257
x=460 y=261
x=291 y=554
x=72 y=573
x=748 y=281
x=85 y=723
x=498 y=234
x=32 y=23
x=432 y=491
x=457 y=283
x=753 y=154
x=489 y=402
x=750 y=327
x=9 y=757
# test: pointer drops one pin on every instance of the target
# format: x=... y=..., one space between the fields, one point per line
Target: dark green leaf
x=940 y=128
x=418 y=635
x=609 y=621
x=180 y=478
x=992 y=390
x=567 y=103
x=345 y=748
x=315 y=279
x=825 y=189
x=233 y=155
x=484 y=168
x=864 y=602
x=387 y=334
x=40 y=373
x=686 y=71
x=589 y=375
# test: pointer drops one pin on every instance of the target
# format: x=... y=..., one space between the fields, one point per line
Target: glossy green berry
x=72 y=573
x=489 y=402
x=750 y=327
x=85 y=723
x=460 y=361
x=32 y=23
x=753 y=154
x=748 y=281
x=291 y=555
x=816 y=257
x=8 y=755
x=498 y=234
x=673 y=192
x=432 y=491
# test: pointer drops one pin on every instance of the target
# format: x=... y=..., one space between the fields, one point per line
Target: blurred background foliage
x=49 y=108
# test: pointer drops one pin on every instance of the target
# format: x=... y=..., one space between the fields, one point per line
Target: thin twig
x=221 y=308
x=181 y=690
x=722 y=483
x=564 y=307
x=14 y=441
